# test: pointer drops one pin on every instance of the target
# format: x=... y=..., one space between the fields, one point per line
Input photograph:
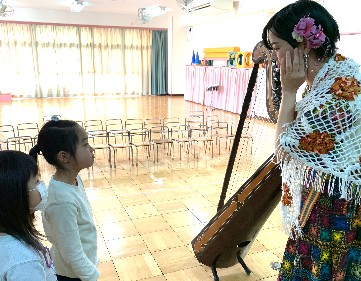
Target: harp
x=225 y=240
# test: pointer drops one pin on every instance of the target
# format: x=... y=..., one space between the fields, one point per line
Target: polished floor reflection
x=147 y=214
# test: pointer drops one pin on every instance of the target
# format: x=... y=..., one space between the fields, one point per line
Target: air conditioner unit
x=197 y=5
x=208 y=6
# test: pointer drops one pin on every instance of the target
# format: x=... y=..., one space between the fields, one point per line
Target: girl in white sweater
x=22 y=256
x=68 y=219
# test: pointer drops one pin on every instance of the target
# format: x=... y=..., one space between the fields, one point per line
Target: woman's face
x=280 y=47
x=34 y=195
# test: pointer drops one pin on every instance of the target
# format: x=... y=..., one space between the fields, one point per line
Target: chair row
x=153 y=138
x=31 y=129
x=113 y=134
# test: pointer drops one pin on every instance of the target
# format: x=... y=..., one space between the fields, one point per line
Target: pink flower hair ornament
x=306 y=30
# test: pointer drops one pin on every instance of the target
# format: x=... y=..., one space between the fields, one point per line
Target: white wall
x=177 y=57
x=227 y=30
x=346 y=13
x=349 y=46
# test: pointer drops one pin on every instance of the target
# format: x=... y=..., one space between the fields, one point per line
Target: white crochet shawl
x=339 y=119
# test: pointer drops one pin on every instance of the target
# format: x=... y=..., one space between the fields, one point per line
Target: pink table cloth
x=232 y=86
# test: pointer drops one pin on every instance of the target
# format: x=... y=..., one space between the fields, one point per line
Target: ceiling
x=124 y=7
x=130 y=7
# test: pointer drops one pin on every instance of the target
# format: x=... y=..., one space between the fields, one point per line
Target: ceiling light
x=146 y=14
x=5 y=10
x=77 y=6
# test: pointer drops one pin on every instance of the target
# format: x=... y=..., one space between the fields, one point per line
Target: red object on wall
x=5 y=98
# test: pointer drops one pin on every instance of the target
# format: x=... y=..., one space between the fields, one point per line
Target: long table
x=232 y=86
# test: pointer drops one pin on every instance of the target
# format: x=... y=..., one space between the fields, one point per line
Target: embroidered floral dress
x=322 y=178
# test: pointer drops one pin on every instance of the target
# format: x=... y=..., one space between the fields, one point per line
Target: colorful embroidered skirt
x=330 y=248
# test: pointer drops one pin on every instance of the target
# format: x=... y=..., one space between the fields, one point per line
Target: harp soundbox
x=230 y=233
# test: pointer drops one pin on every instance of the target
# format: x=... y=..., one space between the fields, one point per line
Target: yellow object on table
x=219 y=53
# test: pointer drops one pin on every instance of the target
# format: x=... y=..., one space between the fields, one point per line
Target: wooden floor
x=148 y=214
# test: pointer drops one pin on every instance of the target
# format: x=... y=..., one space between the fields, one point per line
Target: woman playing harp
x=318 y=145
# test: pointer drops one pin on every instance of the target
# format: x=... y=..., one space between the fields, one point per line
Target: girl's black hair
x=283 y=22
x=56 y=136
x=16 y=169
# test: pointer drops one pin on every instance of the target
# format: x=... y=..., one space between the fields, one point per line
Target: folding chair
x=182 y=136
x=22 y=143
x=28 y=129
x=6 y=131
x=152 y=122
x=160 y=136
x=203 y=137
x=120 y=140
x=114 y=126
x=224 y=133
x=98 y=136
x=133 y=123
x=140 y=138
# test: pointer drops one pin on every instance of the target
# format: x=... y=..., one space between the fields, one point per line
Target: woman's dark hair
x=16 y=169
x=283 y=22
x=56 y=136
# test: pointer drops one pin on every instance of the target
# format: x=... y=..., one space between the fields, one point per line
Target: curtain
x=159 y=72
x=108 y=67
x=137 y=63
x=60 y=61
x=17 y=62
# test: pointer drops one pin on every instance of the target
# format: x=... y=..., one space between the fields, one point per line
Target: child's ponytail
x=35 y=151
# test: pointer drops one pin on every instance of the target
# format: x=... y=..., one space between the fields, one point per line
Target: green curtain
x=159 y=63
